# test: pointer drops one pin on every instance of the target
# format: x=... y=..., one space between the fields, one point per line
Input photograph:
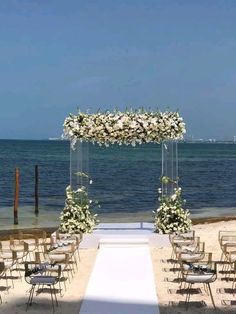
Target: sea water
x=125 y=180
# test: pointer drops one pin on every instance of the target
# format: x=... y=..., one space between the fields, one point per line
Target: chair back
x=34 y=269
x=14 y=256
x=37 y=257
x=26 y=247
x=226 y=234
x=187 y=244
x=14 y=239
x=2 y=267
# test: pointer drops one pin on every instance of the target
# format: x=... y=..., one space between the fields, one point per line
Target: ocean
x=125 y=180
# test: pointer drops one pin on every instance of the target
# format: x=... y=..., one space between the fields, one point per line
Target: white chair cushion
x=200 y=278
x=57 y=257
x=191 y=257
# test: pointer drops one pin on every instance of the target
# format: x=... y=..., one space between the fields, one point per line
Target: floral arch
x=122 y=128
x=133 y=127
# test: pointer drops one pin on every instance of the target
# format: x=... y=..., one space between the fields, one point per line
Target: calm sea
x=125 y=179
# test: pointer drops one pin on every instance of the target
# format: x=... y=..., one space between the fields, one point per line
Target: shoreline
x=4 y=234
x=206 y=220
x=50 y=218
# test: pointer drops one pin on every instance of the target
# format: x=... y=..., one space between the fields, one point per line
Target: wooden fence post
x=36 y=190
x=16 y=197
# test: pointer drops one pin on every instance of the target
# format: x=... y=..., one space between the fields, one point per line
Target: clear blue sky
x=57 y=55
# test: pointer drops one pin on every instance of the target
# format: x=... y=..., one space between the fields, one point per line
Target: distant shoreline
x=197 y=141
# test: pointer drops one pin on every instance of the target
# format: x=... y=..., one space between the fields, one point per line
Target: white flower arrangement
x=77 y=215
x=131 y=127
x=171 y=216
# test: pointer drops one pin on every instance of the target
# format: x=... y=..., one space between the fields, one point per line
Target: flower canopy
x=133 y=127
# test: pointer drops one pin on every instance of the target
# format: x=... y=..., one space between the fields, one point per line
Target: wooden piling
x=36 y=190
x=16 y=197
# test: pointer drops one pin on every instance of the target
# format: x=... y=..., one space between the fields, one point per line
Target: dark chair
x=35 y=277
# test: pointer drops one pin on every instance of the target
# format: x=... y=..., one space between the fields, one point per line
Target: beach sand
x=170 y=301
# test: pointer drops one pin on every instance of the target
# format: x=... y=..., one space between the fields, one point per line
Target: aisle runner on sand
x=122 y=281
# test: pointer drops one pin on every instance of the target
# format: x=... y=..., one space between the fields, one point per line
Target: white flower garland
x=134 y=127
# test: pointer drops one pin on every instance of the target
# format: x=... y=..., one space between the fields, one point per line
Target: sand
x=170 y=300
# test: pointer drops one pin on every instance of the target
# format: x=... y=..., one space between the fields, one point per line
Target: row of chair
x=227 y=241
x=59 y=252
x=195 y=264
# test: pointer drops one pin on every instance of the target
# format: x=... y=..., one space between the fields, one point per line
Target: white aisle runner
x=121 y=282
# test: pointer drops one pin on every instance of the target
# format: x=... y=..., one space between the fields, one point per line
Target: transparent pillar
x=79 y=165
x=169 y=167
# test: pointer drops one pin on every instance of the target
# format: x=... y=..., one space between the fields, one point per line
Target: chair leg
x=75 y=259
x=212 y=300
x=5 y=275
x=227 y=270
x=12 y=278
x=17 y=264
x=30 y=299
x=55 y=295
x=174 y=265
x=222 y=256
x=52 y=299
x=224 y=260
x=183 y=283
x=32 y=295
x=7 y=285
x=69 y=272
x=78 y=254
x=64 y=281
x=188 y=295
x=206 y=288
x=60 y=288
x=233 y=284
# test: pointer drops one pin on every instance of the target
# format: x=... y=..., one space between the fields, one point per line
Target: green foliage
x=171 y=216
x=76 y=215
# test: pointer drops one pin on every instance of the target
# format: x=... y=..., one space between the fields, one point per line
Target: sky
x=60 y=55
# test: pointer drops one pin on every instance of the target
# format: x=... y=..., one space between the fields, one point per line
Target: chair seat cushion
x=47 y=280
x=200 y=278
x=191 y=256
x=57 y=257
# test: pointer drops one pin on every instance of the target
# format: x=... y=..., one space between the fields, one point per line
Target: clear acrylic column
x=169 y=166
x=79 y=165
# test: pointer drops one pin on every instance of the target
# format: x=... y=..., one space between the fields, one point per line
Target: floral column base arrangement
x=171 y=217
x=77 y=216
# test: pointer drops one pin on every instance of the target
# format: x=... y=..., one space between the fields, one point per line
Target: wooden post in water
x=16 y=198
x=36 y=190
